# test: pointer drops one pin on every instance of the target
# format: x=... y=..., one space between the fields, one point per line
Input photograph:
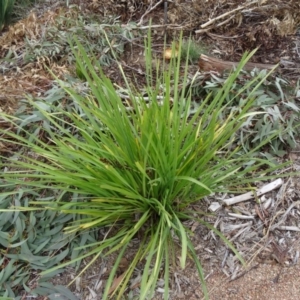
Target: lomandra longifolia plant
x=6 y=8
x=137 y=170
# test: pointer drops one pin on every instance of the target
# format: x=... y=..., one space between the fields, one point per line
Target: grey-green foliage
x=100 y=38
x=34 y=241
x=276 y=99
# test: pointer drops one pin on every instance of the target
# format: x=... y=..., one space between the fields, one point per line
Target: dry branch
x=151 y=8
x=225 y=15
x=290 y=228
x=207 y=63
x=243 y=217
x=284 y=216
x=265 y=189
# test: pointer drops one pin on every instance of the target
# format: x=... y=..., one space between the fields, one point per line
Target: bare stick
x=152 y=26
x=169 y=26
x=212 y=35
x=243 y=217
x=148 y=11
x=225 y=15
x=208 y=63
x=290 y=228
x=265 y=189
x=283 y=218
x=165 y=16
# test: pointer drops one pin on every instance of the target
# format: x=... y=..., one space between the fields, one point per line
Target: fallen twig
x=290 y=228
x=265 y=189
x=225 y=15
x=208 y=63
x=283 y=218
x=148 y=11
x=243 y=217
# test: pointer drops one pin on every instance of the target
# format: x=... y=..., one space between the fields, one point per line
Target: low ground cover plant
x=137 y=168
x=276 y=98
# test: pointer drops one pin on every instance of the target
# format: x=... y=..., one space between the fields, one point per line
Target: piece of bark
x=207 y=63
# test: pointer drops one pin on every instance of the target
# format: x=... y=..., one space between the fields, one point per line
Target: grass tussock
x=139 y=169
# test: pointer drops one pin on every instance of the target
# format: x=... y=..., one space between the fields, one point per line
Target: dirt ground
x=273 y=270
